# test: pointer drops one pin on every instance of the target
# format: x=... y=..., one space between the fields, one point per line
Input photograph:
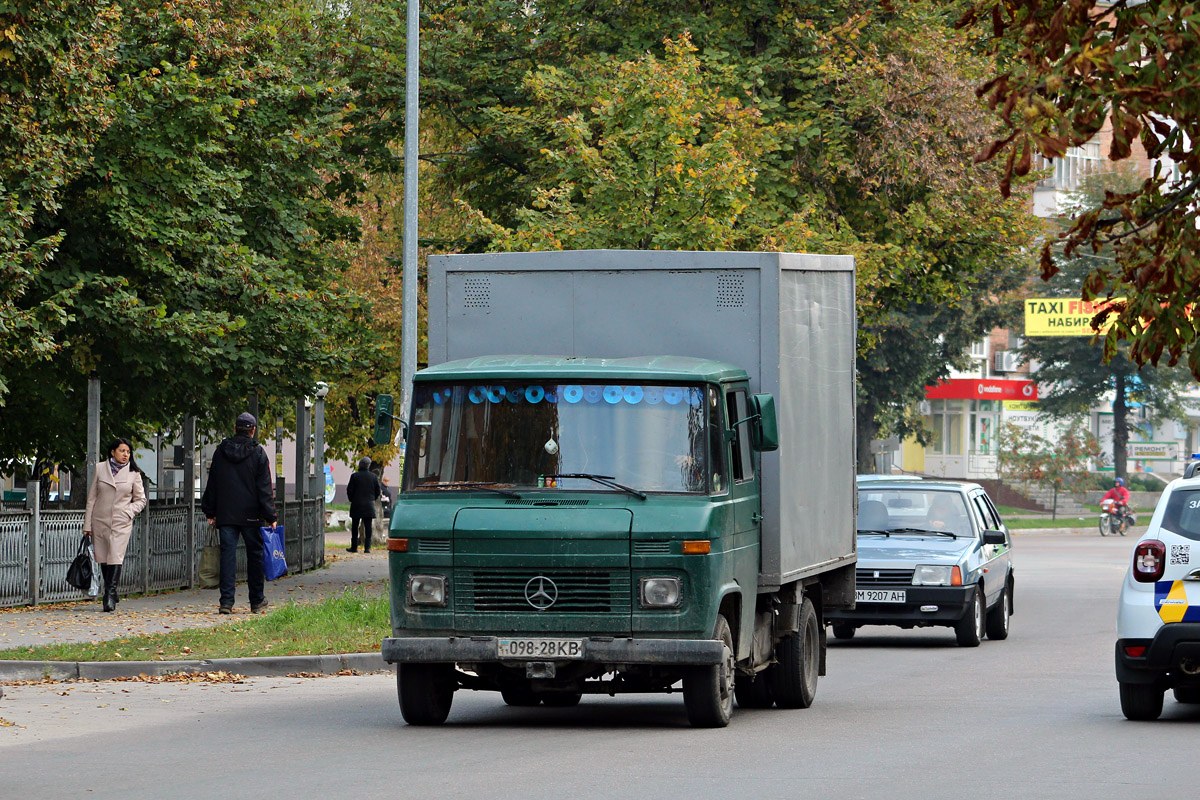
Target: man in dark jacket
x=238 y=501
x=362 y=490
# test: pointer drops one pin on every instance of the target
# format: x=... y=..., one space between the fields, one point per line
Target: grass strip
x=350 y=622
x=1046 y=522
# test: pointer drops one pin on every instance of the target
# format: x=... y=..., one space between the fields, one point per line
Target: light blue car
x=930 y=553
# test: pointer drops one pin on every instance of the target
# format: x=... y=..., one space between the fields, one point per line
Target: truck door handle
x=757 y=517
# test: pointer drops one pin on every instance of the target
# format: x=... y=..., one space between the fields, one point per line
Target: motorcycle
x=1115 y=519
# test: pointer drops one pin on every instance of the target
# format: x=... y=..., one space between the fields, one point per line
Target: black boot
x=106 y=570
x=116 y=579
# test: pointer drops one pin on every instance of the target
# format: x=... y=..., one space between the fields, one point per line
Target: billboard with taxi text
x=1065 y=316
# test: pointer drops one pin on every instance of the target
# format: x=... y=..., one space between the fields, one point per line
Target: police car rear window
x=1183 y=513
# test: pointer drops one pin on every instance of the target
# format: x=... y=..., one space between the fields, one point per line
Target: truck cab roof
x=637 y=368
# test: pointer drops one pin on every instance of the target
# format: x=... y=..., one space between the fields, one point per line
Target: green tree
x=53 y=60
x=1074 y=372
x=1136 y=64
x=201 y=236
x=1061 y=464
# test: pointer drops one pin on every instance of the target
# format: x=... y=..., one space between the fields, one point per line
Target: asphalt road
x=902 y=714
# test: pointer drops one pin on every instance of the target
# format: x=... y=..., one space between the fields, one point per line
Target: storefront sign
x=980 y=389
x=1020 y=405
x=1154 y=451
x=1063 y=316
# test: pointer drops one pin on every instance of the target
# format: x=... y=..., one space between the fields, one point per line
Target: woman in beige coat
x=115 y=499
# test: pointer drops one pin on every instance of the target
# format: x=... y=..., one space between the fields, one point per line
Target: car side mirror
x=994 y=537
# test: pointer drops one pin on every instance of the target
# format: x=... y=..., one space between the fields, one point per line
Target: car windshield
x=595 y=436
x=896 y=510
x=1182 y=515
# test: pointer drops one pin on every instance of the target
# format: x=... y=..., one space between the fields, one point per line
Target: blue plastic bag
x=274 y=559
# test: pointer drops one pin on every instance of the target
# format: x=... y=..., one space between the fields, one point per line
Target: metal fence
x=36 y=547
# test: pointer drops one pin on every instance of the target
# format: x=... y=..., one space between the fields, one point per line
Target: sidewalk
x=84 y=621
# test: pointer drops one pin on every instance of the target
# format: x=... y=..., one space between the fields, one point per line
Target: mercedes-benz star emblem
x=541 y=592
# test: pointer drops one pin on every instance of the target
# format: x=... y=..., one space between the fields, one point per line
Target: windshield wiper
x=880 y=533
x=925 y=530
x=488 y=486
x=606 y=480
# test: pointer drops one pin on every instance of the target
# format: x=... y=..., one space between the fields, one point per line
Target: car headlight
x=660 y=592
x=427 y=590
x=936 y=575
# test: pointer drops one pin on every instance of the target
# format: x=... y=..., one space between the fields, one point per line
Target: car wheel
x=1141 y=701
x=797 y=660
x=998 y=617
x=708 y=691
x=1187 y=694
x=843 y=630
x=426 y=692
x=970 y=629
x=753 y=691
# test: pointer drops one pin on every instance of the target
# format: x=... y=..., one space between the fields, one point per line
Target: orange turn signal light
x=956 y=577
x=397 y=545
x=698 y=547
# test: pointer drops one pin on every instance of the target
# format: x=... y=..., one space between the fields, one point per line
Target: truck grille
x=578 y=591
x=882 y=577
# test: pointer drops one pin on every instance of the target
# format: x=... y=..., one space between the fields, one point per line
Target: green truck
x=665 y=502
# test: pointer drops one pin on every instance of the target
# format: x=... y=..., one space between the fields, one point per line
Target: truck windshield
x=514 y=434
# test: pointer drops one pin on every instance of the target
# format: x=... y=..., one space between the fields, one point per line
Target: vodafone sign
x=980 y=389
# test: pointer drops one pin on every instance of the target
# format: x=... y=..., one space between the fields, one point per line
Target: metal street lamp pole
x=408 y=326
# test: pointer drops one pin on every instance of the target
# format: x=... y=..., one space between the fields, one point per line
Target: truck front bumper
x=596 y=650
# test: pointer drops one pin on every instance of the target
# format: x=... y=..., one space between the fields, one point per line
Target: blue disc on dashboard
x=613 y=394
x=495 y=393
x=672 y=394
x=477 y=393
x=592 y=394
x=534 y=394
x=572 y=394
x=551 y=396
x=514 y=394
x=633 y=395
x=653 y=395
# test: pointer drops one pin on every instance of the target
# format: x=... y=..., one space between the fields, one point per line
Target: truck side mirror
x=383 y=420
x=764 y=433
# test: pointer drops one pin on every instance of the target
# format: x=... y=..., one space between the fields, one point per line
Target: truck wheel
x=708 y=691
x=969 y=630
x=997 y=618
x=843 y=630
x=520 y=696
x=797 y=660
x=1187 y=694
x=426 y=692
x=1141 y=701
x=753 y=691
x=561 y=699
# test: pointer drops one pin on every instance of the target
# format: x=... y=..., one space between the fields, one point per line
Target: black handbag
x=79 y=574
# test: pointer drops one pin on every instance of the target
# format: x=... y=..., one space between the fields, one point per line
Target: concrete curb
x=269 y=666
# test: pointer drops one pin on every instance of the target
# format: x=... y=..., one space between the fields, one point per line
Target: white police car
x=1158 y=621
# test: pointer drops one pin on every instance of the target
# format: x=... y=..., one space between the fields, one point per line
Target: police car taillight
x=1149 y=561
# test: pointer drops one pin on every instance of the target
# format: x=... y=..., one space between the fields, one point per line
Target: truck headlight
x=660 y=592
x=427 y=590
x=936 y=575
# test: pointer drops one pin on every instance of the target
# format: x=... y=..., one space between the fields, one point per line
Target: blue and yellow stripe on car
x=1171 y=602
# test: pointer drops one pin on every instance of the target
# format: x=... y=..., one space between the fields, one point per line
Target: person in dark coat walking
x=363 y=489
x=238 y=502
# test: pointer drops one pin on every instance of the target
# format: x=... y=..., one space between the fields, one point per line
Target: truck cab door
x=743 y=479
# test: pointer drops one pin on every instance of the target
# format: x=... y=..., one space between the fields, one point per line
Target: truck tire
x=843 y=630
x=970 y=629
x=1141 y=701
x=997 y=618
x=426 y=692
x=708 y=691
x=520 y=696
x=561 y=699
x=753 y=691
x=793 y=676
